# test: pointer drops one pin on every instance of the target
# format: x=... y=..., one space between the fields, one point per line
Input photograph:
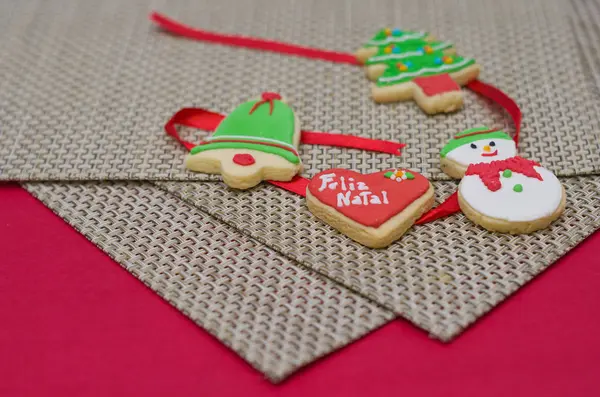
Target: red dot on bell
x=244 y=159
x=267 y=96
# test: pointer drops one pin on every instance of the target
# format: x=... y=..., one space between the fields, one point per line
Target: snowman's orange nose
x=487 y=149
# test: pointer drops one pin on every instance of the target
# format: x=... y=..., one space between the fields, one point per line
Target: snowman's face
x=483 y=151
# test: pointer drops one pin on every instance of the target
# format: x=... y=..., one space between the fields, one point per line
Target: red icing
x=399 y=194
x=490 y=172
x=267 y=97
x=494 y=153
x=438 y=84
x=243 y=159
x=289 y=149
x=474 y=133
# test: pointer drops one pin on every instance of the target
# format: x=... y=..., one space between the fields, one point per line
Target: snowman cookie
x=475 y=145
x=257 y=141
x=374 y=209
x=514 y=195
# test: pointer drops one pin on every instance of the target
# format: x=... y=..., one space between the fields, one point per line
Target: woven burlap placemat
x=275 y=314
x=441 y=276
x=86 y=89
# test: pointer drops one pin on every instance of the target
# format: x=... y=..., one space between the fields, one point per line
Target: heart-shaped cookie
x=373 y=209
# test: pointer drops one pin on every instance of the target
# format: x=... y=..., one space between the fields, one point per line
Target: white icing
x=382 y=58
x=352 y=195
x=398 y=39
x=465 y=154
x=249 y=138
x=325 y=181
x=538 y=199
x=437 y=69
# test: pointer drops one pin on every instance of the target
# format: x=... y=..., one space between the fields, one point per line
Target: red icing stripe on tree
x=490 y=172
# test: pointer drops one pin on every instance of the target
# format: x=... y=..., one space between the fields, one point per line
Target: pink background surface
x=73 y=322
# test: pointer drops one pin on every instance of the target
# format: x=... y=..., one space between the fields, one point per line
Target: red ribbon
x=208 y=121
x=298 y=185
x=250 y=42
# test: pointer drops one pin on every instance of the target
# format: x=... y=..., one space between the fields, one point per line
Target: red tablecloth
x=72 y=322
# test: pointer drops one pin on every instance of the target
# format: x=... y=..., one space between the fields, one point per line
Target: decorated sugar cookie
x=389 y=37
x=514 y=195
x=413 y=65
x=257 y=141
x=374 y=209
x=475 y=145
x=433 y=80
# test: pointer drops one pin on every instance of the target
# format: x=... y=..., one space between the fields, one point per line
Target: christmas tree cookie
x=386 y=37
x=374 y=209
x=514 y=195
x=475 y=145
x=407 y=52
x=432 y=79
x=257 y=141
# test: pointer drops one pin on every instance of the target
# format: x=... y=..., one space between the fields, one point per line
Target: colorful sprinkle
x=428 y=49
x=448 y=59
x=388 y=50
x=518 y=188
x=507 y=173
x=401 y=67
x=398 y=175
x=438 y=61
x=396 y=32
x=396 y=50
x=408 y=64
x=387 y=31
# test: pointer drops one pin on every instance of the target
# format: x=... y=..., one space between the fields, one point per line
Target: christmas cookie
x=514 y=195
x=433 y=79
x=475 y=145
x=386 y=37
x=257 y=141
x=374 y=209
x=405 y=54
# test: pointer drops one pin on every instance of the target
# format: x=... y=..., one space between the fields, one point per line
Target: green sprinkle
x=409 y=175
x=518 y=188
x=508 y=174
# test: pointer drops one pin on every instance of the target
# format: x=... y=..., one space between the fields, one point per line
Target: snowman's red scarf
x=489 y=173
x=298 y=185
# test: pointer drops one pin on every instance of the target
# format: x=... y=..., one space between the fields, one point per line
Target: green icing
x=405 y=51
x=518 y=188
x=388 y=174
x=381 y=38
x=507 y=173
x=291 y=157
x=460 y=138
x=422 y=66
x=277 y=127
x=409 y=175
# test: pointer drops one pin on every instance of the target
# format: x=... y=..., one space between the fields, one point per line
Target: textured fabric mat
x=86 y=86
x=276 y=315
x=441 y=276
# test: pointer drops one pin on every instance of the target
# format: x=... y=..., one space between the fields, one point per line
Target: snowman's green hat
x=267 y=125
x=472 y=135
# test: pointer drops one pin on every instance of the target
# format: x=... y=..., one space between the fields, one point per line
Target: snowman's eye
x=492 y=143
x=473 y=146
